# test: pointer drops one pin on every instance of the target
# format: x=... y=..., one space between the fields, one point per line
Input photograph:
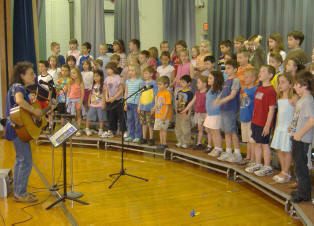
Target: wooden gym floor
x=174 y=189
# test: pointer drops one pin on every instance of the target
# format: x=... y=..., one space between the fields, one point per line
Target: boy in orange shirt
x=243 y=61
x=162 y=111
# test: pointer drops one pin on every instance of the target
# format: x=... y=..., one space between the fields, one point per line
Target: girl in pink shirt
x=75 y=96
x=185 y=68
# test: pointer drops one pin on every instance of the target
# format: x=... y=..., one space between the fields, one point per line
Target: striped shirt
x=133 y=86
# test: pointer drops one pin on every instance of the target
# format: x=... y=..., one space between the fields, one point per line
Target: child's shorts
x=161 y=124
x=199 y=118
x=257 y=134
x=228 y=121
x=61 y=108
x=95 y=113
x=86 y=94
x=43 y=104
x=147 y=118
x=212 y=122
x=246 y=132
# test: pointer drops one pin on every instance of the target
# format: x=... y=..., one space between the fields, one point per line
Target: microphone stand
x=54 y=186
x=122 y=170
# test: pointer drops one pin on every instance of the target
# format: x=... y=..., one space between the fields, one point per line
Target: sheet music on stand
x=62 y=134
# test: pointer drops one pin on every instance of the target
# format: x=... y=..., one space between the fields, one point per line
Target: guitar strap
x=8 y=116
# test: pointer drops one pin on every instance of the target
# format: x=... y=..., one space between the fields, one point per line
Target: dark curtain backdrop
x=93 y=26
x=179 y=21
x=126 y=21
x=228 y=18
x=23 y=33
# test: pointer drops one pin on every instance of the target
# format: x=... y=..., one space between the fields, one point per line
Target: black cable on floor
x=30 y=215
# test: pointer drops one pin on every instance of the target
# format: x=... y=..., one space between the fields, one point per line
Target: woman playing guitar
x=23 y=76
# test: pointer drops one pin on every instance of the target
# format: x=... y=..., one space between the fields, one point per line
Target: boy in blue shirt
x=229 y=102
x=183 y=123
x=86 y=47
x=246 y=113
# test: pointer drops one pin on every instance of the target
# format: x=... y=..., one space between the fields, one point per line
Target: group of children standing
x=250 y=91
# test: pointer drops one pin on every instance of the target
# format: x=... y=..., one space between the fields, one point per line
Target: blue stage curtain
x=23 y=32
x=179 y=21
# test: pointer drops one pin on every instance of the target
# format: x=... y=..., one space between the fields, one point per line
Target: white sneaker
x=235 y=157
x=88 y=132
x=178 y=145
x=250 y=164
x=253 y=168
x=282 y=180
x=264 y=171
x=184 y=146
x=275 y=178
x=224 y=156
x=78 y=133
x=100 y=132
x=215 y=153
x=107 y=134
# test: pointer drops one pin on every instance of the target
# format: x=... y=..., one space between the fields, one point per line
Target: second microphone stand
x=122 y=170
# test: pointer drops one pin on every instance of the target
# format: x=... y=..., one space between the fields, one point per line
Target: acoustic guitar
x=28 y=126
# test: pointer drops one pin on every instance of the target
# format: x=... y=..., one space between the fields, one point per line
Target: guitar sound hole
x=38 y=123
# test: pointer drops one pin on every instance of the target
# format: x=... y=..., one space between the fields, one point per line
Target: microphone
x=147 y=87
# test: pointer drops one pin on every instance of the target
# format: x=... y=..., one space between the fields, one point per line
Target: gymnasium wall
x=150 y=17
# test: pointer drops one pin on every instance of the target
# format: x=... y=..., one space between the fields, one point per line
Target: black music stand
x=60 y=137
x=122 y=170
